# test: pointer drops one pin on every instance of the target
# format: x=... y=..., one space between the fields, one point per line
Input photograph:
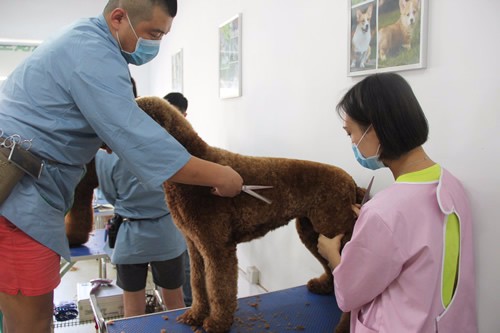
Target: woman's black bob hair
x=386 y=101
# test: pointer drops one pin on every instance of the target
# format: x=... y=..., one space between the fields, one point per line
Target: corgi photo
x=397 y=37
x=361 y=38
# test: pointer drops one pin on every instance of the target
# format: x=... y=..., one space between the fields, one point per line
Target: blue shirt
x=154 y=237
x=70 y=95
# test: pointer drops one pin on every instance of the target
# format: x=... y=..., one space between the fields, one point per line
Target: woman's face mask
x=372 y=162
x=145 y=49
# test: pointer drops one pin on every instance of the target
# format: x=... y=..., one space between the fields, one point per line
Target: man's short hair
x=178 y=100
x=142 y=10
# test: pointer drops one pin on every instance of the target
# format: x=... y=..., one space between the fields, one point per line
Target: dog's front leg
x=366 y=57
x=221 y=269
x=200 y=308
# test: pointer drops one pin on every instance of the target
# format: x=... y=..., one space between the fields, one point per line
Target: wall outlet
x=253 y=274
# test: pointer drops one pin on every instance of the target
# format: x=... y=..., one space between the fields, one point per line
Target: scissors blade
x=367 y=193
x=249 y=190
x=255 y=187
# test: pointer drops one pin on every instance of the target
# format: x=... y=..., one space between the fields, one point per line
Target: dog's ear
x=402 y=5
x=358 y=13
x=369 y=10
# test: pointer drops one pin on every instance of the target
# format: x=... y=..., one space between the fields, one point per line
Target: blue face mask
x=145 y=49
x=372 y=162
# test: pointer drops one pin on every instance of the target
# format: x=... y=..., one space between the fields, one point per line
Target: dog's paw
x=191 y=318
x=212 y=325
x=322 y=285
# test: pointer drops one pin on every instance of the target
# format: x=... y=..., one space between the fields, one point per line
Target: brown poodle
x=319 y=196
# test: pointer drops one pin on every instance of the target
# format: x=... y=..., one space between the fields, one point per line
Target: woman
x=409 y=265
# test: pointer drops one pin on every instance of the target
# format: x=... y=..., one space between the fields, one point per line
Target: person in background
x=134 y=87
x=145 y=236
x=85 y=99
x=409 y=266
x=180 y=102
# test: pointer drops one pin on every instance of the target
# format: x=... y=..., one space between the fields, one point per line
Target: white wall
x=294 y=71
x=36 y=20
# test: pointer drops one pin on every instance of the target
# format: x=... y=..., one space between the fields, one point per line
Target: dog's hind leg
x=324 y=283
x=344 y=323
x=200 y=308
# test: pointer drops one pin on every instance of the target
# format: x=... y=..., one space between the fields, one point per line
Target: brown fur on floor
x=319 y=196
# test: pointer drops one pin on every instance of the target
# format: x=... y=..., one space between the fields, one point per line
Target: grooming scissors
x=15 y=139
x=367 y=193
x=249 y=189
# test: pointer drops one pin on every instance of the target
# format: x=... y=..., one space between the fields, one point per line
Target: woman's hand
x=329 y=248
x=356 y=208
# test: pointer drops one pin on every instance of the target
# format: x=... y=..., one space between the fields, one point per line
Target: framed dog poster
x=230 y=58
x=177 y=72
x=386 y=35
x=13 y=52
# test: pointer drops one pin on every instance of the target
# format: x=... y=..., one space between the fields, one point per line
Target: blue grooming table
x=288 y=310
x=93 y=249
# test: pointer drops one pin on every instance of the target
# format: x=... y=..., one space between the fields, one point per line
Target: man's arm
x=223 y=179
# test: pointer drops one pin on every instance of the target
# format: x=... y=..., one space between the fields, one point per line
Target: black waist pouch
x=112 y=228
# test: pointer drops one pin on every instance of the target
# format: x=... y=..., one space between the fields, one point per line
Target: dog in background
x=360 y=43
x=399 y=34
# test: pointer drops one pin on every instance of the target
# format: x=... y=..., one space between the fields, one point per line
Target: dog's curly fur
x=80 y=218
x=319 y=196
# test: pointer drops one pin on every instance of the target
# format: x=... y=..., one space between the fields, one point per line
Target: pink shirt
x=390 y=275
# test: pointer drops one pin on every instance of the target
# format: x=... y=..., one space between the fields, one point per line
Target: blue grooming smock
x=152 y=235
x=73 y=93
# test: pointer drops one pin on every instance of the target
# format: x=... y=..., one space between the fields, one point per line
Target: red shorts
x=27 y=266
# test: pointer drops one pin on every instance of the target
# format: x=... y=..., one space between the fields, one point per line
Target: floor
x=84 y=271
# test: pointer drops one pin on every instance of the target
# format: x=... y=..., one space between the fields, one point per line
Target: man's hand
x=232 y=183
x=223 y=180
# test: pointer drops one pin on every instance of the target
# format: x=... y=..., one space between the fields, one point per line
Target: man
x=147 y=236
x=178 y=101
x=71 y=95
